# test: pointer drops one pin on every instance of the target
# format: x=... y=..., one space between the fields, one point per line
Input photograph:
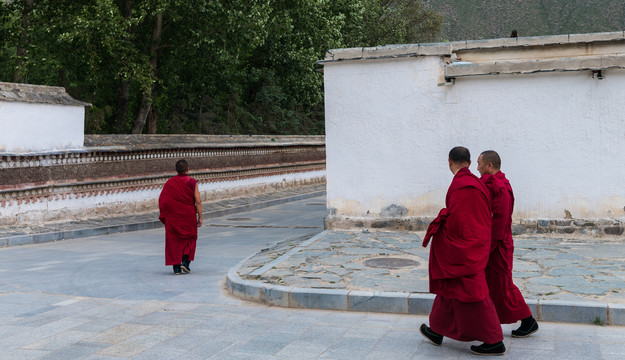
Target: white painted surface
x=389 y=129
x=129 y=202
x=28 y=127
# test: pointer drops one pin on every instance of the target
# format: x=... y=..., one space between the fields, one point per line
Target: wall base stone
x=592 y=227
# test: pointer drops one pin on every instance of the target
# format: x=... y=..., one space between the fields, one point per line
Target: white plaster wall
x=27 y=127
x=129 y=202
x=389 y=128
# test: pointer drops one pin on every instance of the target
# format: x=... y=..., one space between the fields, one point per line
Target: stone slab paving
x=564 y=279
x=110 y=297
x=11 y=235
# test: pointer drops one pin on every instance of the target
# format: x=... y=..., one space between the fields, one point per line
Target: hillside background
x=486 y=19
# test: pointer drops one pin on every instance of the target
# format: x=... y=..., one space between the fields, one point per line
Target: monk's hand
x=199 y=222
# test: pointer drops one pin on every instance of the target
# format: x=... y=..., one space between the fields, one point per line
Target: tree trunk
x=23 y=41
x=147 y=99
x=152 y=120
x=121 y=110
x=123 y=93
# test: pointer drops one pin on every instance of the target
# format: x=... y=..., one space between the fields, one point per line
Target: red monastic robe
x=509 y=302
x=462 y=309
x=177 y=211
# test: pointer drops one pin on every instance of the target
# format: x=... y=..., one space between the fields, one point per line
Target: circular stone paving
x=390 y=263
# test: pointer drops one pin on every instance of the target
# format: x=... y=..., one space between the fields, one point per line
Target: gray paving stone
x=202 y=312
x=19 y=240
x=161 y=352
x=275 y=295
x=448 y=351
x=299 y=349
x=421 y=304
x=553 y=310
x=337 y=270
x=616 y=314
x=378 y=302
x=540 y=254
x=533 y=304
x=59 y=341
x=530 y=354
x=246 y=289
x=267 y=344
x=342 y=260
x=566 y=349
x=348 y=348
x=318 y=299
x=74 y=351
x=525 y=266
x=570 y=271
x=21 y=354
x=525 y=275
x=609 y=281
x=324 y=335
x=373 y=333
x=586 y=289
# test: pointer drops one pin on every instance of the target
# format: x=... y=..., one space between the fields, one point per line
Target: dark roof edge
x=37 y=94
x=447 y=48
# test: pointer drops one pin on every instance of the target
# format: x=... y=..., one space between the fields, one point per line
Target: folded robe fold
x=177 y=211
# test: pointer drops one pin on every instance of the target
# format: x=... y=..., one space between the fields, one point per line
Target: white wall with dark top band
x=390 y=126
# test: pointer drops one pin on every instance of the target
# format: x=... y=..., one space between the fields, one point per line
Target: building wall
x=389 y=128
x=31 y=127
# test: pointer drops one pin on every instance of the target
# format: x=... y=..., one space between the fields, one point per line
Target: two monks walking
x=471 y=256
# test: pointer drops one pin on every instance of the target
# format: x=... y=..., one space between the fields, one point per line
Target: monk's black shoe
x=528 y=327
x=489 y=349
x=177 y=270
x=434 y=338
x=185 y=264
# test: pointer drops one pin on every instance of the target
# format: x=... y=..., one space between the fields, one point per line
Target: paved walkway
x=564 y=279
x=11 y=235
x=110 y=297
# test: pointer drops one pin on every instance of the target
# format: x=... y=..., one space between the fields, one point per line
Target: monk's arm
x=198 y=205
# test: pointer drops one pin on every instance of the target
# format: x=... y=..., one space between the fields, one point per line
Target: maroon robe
x=509 y=302
x=462 y=309
x=177 y=211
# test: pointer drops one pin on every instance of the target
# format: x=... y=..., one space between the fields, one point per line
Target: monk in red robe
x=509 y=302
x=462 y=309
x=180 y=208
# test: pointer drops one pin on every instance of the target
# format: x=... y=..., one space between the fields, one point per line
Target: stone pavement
x=111 y=297
x=11 y=235
x=564 y=279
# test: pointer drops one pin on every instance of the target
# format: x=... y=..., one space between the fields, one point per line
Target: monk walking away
x=462 y=309
x=180 y=208
x=509 y=302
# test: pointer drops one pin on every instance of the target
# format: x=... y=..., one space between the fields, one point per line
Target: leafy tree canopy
x=201 y=66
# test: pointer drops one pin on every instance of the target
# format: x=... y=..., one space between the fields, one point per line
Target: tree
x=202 y=66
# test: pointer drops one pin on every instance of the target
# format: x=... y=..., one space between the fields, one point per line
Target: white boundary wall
x=389 y=128
x=116 y=203
x=31 y=127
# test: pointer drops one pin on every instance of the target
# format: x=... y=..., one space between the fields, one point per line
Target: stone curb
x=148 y=225
x=404 y=303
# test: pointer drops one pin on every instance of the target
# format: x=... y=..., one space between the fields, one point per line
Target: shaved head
x=459 y=155
x=182 y=166
x=491 y=156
